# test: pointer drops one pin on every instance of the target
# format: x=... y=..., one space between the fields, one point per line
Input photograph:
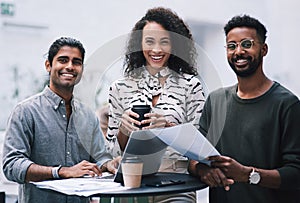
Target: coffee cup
x=141 y=110
x=132 y=169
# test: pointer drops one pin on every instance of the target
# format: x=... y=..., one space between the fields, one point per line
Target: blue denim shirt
x=38 y=132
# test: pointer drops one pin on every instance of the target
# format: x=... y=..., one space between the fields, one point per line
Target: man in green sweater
x=253 y=124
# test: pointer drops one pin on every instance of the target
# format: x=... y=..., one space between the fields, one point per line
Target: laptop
x=147 y=147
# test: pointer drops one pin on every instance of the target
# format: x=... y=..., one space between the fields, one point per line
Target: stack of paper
x=80 y=186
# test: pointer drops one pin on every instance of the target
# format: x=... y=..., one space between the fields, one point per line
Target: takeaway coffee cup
x=132 y=169
x=141 y=110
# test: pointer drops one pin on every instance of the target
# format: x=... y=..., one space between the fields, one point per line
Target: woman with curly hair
x=159 y=71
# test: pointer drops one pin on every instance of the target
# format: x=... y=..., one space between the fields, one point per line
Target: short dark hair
x=247 y=21
x=182 y=58
x=64 y=41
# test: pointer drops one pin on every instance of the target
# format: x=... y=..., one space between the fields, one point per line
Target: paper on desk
x=79 y=186
x=188 y=141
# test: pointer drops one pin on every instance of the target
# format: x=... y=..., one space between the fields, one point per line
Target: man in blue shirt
x=52 y=135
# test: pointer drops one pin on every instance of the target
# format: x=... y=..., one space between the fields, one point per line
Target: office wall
x=26 y=35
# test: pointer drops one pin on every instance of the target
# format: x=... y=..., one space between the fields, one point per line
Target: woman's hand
x=112 y=165
x=156 y=121
x=127 y=122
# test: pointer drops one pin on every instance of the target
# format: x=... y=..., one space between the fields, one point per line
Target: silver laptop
x=146 y=146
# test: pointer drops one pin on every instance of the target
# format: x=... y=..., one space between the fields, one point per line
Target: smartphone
x=165 y=183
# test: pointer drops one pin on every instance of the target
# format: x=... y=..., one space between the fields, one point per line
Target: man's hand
x=231 y=168
x=213 y=177
x=80 y=169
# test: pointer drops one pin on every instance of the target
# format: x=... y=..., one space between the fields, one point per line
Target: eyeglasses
x=245 y=44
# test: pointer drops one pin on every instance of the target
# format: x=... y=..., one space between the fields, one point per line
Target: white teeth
x=241 y=60
x=156 y=57
x=67 y=75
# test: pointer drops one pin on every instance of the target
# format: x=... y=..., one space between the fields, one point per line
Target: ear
x=264 y=49
x=48 y=66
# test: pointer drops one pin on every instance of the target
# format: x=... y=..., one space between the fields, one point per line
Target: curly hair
x=182 y=57
x=247 y=21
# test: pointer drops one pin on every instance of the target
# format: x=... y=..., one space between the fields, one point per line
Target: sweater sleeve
x=290 y=144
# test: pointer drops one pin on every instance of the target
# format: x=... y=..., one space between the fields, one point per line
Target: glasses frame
x=236 y=44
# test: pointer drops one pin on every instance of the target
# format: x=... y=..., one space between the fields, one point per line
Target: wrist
x=55 y=172
x=254 y=177
x=123 y=130
x=200 y=168
x=103 y=168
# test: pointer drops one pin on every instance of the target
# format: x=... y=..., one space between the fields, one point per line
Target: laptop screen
x=147 y=147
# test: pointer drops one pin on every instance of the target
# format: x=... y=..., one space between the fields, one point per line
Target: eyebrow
x=165 y=38
x=66 y=57
x=150 y=37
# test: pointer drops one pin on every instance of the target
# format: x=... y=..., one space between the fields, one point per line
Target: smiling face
x=156 y=45
x=66 y=69
x=245 y=61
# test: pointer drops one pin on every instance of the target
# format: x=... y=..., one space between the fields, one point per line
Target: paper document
x=79 y=186
x=188 y=141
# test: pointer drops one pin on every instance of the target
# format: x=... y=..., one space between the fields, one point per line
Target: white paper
x=187 y=140
x=80 y=186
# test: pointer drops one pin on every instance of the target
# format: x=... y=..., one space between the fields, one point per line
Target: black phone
x=163 y=183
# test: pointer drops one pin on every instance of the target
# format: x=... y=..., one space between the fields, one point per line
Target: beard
x=253 y=65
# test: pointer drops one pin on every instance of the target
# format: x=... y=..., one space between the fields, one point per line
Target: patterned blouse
x=181 y=98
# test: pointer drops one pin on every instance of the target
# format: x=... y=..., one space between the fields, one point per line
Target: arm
x=37 y=172
x=195 y=101
x=16 y=147
x=126 y=127
x=116 y=111
x=240 y=173
x=91 y=138
x=290 y=145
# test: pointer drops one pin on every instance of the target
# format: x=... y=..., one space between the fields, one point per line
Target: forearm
x=192 y=168
x=269 y=178
x=122 y=139
x=38 y=173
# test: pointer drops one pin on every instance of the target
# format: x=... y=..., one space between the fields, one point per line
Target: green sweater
x=263 y=132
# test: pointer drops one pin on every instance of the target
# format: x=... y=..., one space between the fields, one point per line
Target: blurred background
x=28 y=27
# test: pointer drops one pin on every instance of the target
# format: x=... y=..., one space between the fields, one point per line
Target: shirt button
x=62 y=102
x=64 y=116
x=68 y=153
x=55 y=107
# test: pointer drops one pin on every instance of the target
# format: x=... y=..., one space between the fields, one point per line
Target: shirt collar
x=56 y=100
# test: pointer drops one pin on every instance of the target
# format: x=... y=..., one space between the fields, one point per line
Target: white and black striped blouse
x=181 y=98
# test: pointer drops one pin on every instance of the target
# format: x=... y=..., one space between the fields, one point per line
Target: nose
x=239 y=48
x=69 y=65
x=156 y=47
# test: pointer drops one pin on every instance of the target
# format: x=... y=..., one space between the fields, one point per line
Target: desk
x=91 y=187
x=191 y=184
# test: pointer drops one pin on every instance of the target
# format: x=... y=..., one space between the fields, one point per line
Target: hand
x=80 y=169
x=213 y=177
x=231 y=168
x=127 y=122
x=156 y=121
x=112 y=166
